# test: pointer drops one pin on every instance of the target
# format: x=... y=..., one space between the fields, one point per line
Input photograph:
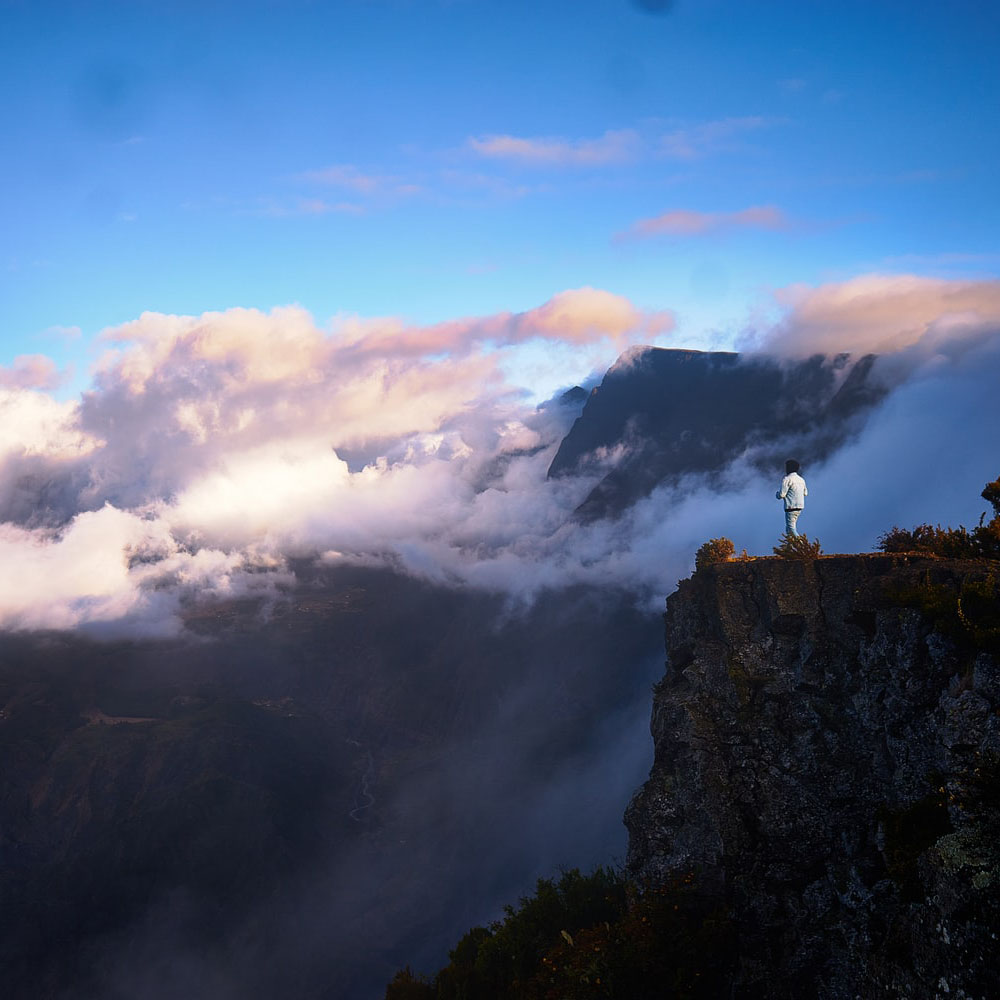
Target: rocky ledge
x=827 y=751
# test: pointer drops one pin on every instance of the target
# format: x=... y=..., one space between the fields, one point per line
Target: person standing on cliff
x=793 y=491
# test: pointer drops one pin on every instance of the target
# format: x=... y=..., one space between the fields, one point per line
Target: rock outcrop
x=827 y=751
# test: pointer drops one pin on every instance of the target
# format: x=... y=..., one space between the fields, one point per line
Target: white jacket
x=793 y=491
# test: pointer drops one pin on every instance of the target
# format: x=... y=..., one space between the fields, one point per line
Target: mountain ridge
x=660 y=414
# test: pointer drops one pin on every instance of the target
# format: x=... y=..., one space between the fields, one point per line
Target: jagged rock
x=826 y=758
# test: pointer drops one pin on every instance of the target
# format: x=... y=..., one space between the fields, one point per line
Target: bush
x=992 y=493
x=798 y=547
x=982 y=542
x=406 y=985
x=498 y=961
x=950 y=543
x=715 y=550
x=590 y=937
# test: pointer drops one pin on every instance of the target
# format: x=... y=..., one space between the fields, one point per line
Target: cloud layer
x=212 y=448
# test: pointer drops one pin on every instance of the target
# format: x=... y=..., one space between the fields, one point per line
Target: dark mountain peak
x=662 y=413
x=576 y=396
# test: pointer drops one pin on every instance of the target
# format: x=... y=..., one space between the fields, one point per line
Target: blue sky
x=434 y=160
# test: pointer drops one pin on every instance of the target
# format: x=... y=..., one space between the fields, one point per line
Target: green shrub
x=406 y=985
x=715 y=550
x=982 y=542
x=586 y=937
x=798 y=547
x=991 y=493
x=498 y=961
x=950 y=543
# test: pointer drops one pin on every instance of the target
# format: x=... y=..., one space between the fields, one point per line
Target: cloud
x=288 y=208
x=902 y=315
x=66 y=333
x=109 y=568
x=577 y=316
x=684 y=222
x=317 y=206
x=212 y=448
x=926 y=454
x=33 y=423
x=614 y=146
x=345 y=175
x=718 y=136
x=31 y=371
x=363 y=184
x=489 y=184
x=221 y=435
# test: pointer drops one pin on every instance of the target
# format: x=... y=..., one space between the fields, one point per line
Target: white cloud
x=211 y=447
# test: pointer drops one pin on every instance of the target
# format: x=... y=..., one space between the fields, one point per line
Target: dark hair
x=791 y=466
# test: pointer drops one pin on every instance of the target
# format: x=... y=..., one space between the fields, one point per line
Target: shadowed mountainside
x=290 y=801
x=661 y=414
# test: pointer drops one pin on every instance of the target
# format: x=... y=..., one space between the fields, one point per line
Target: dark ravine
x=292 y=801
x=827 y=746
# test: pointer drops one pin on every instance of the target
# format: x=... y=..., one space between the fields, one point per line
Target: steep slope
x=827 y=751
x=661 y=414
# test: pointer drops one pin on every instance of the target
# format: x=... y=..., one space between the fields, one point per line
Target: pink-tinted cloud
x=576 y=316
x=363 y=184
x=883 y=314
x=684 y=222
x=31 y=371
x=615 y=146
x=345 y=175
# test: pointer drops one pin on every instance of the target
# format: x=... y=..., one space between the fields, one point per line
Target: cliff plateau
x=827 y=751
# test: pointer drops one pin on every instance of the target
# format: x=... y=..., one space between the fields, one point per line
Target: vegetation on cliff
x=982 y=542
x=798 y=547
x=969 y=614
x=584 y=937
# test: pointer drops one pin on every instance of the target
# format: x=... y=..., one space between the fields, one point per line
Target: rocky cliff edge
x=827 y=742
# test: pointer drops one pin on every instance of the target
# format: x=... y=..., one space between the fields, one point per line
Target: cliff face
x=827 y=740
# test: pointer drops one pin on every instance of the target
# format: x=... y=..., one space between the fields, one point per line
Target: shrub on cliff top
x=715 y=550
x=950 y=543
x=982 y=542
x=798 y=547
x=992 y=493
